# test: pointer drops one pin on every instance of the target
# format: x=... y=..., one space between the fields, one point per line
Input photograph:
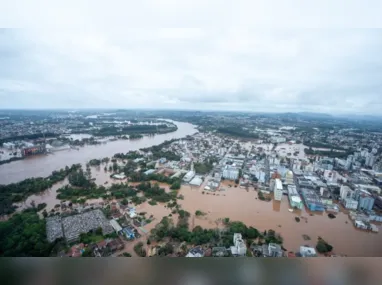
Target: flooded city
x=240 y=205
x=232 y=201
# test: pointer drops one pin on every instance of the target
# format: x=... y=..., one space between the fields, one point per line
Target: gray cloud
x=293 y=70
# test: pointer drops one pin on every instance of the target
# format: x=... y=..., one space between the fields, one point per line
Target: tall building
x=278 y=190
x=350 y=204
x=366 y=202
x=370 y=159
x=289 y=178
x=345 y=192
x=294 y=197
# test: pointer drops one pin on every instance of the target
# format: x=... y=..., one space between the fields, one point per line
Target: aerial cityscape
x=190 y=142
x=189 y=184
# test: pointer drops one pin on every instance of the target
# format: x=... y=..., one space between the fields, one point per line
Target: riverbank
x=43 y=165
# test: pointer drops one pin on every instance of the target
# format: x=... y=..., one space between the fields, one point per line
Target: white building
x=189 y=176
x=239 y=247
x=345 y=192
x=115 y=226
x=230 y=173
x=307 y=251
x=8 y=145
x=370 y=160
x=289 y=178
x=350 y=204
x=278 y=190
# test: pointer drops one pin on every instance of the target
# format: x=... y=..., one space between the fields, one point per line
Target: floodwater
x=49 y=197
x=43 y=165
x=240 y=205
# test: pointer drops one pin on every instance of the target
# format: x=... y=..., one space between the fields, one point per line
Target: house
x=306 y=251
x=196 y=252
x=76 y=250
x=274 y=250
x=219 y=252
x=115 y=244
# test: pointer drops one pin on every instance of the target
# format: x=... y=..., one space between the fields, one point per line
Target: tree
x=323 y=247
x=148 y=242
x=99 y=231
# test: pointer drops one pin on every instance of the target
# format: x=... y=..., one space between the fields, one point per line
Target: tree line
x=17 y=192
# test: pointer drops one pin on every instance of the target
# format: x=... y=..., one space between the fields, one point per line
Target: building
x=370 y=160
x=148 y=172
x=196 y=181
x=289 y=178
x=189 y=175
x=274 y=250
x=366 y=202
x=350 y=204
x=196 y=252
x=312 y=201
x=117 y=228
x=239 y=248
x=306 y=251
x=38 y=149
x=345 y=192
x=278 y=190
x=294 y=197
x=230 y=173
x=119 y=176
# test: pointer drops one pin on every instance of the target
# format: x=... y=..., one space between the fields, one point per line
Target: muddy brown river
x=43 y=165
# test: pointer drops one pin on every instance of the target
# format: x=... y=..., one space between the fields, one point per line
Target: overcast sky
x=209 y=68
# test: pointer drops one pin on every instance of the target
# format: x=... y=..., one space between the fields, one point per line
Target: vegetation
x=203 y=168
x=323 y=247
x=139 y=250
x=95 y=162
x=126 y=254
x=237 y=131
x=199 y=213
x=91 y=237
x=24 y=234
x=154 y=192
x=41 y=206
x=297 y=219
x=17 y=192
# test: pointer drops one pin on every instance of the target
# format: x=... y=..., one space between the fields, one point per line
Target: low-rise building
x=196 y=252
x=306 y=251
x=239 y=248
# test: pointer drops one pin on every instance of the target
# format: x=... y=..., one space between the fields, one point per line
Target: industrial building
x=34 y=150
x=278 y=190
x=312 y=201
x=196 y=181
x=189 y=175
x=294 y=197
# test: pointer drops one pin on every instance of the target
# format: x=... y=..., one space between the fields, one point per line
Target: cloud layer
x=232 y=69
